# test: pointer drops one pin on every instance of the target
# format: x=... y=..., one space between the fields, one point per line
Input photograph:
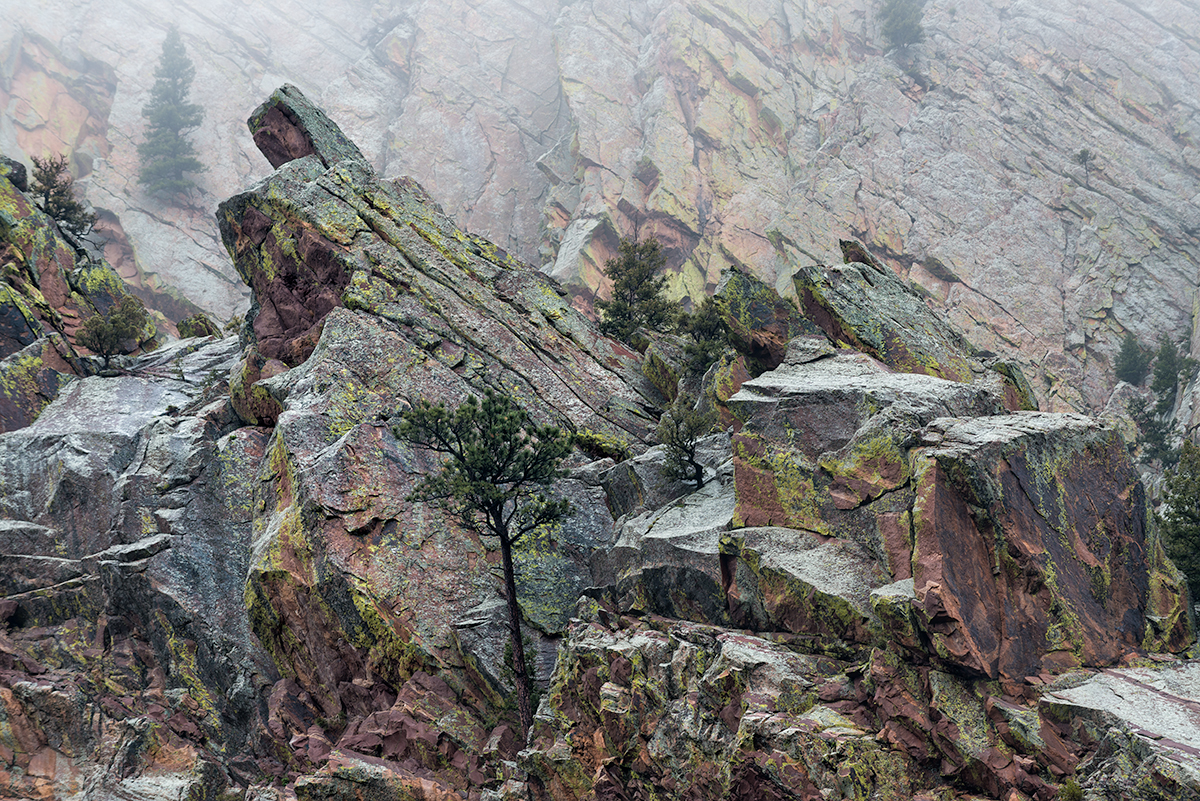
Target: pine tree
x=108 y=334
x=1132 y=362
x=637 y=298
x=166 y=153
x=680 y=429
x=499 y=462
x=708 y=335
x=1086 y=158
x=1180 y=517
x=901 y=22
x=54 y=191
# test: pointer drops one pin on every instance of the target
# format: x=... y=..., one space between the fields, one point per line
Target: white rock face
x=755 y=132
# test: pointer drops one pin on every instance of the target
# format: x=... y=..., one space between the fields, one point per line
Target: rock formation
x=745 y=134
x=900 y=581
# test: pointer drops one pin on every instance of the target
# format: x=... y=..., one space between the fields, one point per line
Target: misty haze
x=868 y=332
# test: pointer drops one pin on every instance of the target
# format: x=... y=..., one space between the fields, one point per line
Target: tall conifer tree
x=167 y=154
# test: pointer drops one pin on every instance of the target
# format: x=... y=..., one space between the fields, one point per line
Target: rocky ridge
x=744 y=134
x=900 y=581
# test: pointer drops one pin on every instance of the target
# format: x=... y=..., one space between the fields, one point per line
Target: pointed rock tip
x=288 y=126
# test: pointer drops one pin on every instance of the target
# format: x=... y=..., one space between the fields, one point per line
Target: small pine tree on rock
x=167 y=154
x=54 y=192
x=499 y=464
x=1180 y=515
x=1169 y=367
x=1085 y=158
x=637 y=295
x=680 y=430
x=1132 y=361
x=107 y=334
x=708 y=335
x=901 y=22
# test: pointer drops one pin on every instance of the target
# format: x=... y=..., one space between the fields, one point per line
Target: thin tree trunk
x=524 y=695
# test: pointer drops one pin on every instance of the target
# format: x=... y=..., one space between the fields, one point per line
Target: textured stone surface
x=191 y=605
x=1145 y=722
x=1041 y=578
x=125 y=651
x=692 y=711
x=866 y=306
x=750 y=134
x=383 y=614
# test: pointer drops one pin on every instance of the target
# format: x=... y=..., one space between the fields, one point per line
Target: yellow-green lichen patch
x=776 y=478
x=390 y=652
x=865 y=469
x=1065 y=632
x=184 y=670
x=600 y=445
x=957 y=701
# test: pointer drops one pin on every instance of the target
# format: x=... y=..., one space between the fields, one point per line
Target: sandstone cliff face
x=898 y=581
x=750 y=134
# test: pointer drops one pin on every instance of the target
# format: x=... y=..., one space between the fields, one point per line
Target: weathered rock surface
x=1144 y=720
x=127 y=666
x=213 y=578
x=954 y=160
x=382 y=615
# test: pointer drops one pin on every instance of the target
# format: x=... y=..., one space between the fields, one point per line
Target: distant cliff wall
x=741 y=133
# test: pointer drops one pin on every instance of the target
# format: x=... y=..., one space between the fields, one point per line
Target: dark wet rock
x=126 y=645
x=761 y=322
x=15 y=172
x=32 y=377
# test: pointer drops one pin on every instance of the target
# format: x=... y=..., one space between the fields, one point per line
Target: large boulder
x=1030 y=552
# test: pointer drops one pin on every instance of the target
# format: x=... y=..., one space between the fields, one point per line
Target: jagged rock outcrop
x=381 y=613
x=888 y=586
x=746 y=134
x=50 y=288
x=126 y=661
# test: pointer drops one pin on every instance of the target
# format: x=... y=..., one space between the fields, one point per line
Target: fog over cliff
x=754 y=134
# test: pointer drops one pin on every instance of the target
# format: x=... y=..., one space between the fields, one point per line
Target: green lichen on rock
x=663 y=365
x=28 y=383
x=865 y=305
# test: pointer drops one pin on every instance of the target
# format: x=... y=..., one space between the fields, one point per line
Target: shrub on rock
x=1132 y=361
x=107 y=334
x=54 y=190
x=1180 y=517
x=680 y=430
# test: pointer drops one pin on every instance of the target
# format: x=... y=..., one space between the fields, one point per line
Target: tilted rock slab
x=383 y=615
x=1145 y=721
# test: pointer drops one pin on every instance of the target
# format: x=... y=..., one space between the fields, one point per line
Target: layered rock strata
x=746 y=134
x=892 y=585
